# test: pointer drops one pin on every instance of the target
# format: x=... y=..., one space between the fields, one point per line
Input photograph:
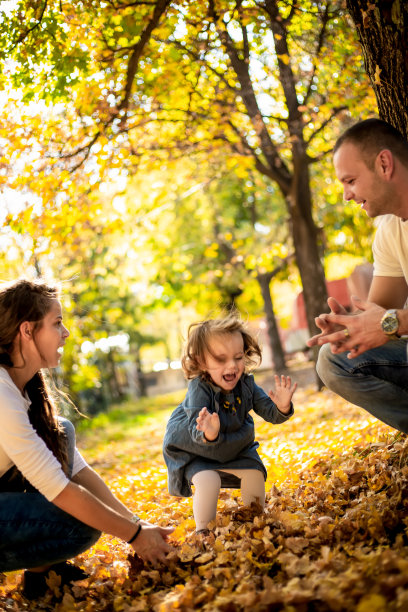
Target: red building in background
x=294 y=339
x=358 y=284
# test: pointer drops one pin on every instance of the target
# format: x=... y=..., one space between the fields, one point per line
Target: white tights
x=207 y=486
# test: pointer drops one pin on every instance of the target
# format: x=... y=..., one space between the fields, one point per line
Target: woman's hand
x=151 y=544
x=209 y=424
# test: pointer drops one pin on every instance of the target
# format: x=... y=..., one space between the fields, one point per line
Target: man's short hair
x=372 y=136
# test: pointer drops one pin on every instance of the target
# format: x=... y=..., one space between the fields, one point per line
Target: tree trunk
x=272 y=326
x=382 y=27
x=114 y=384
x=304 y=232
x=139 y=376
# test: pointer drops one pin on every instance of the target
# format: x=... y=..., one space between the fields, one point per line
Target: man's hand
x=208 y=423
x=357 y=333
x=327 y=326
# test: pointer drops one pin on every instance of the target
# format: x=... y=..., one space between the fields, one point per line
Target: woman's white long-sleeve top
x=20 y=445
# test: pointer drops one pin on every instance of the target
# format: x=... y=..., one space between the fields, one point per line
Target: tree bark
x=295 y=184
x=382 y=28
x=305 y=242
x=272 y=326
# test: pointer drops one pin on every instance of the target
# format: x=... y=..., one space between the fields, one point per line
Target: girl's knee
x=207 y=479
x=253 y=487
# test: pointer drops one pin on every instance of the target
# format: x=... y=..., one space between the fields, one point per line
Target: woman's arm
x=90 y=480
x=100 y=509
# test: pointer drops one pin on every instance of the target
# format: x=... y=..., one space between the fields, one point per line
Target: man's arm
x=362 y=331
x=388 y=291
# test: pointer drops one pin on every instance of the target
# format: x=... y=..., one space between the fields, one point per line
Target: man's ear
x=26 y=330
x=385 y=163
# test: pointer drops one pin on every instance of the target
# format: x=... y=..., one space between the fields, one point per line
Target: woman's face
x=51 y=336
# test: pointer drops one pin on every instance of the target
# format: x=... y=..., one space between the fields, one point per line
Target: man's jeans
x=34 y=532
x=377 y=380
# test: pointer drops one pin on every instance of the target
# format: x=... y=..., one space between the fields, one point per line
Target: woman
x=53 y=506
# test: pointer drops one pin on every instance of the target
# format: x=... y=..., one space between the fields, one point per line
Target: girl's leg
x=252 y=486
x=207 y=486
x=34 y=532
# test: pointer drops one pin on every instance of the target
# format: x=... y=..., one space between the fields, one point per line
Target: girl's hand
x=284 y=391
x=151 y=543
x=209 y=424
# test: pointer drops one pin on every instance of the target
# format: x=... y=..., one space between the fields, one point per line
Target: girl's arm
x=227 y=444
x=267 y=409
x=100 y=509
x=182 y=435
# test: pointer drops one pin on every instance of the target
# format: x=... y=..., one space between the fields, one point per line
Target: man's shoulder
x=388 y=222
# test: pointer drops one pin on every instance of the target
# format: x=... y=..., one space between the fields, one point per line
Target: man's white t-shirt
x=20 y=445
x=390 y=247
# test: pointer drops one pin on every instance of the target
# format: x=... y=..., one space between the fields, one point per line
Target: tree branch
x=160 y=8
x=335 y=112
x=24 y=35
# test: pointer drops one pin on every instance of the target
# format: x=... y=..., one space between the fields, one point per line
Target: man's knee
x=326 y=366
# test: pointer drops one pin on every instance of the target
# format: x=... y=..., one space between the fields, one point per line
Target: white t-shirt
x=390 y=247
x=20 y=445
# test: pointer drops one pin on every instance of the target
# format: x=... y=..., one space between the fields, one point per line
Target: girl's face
x=225 y=360
x=51 y=336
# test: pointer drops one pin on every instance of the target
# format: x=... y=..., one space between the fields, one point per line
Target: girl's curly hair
x=198 y=343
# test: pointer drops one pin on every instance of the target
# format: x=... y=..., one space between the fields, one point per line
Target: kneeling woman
x=53 y=506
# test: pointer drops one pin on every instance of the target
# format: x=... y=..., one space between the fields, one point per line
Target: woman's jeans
x=34 y=532
x=377 y=380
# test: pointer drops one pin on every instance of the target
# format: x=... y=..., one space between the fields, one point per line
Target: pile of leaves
x=333 y=536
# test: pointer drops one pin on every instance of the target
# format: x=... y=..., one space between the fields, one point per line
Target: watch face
x=390 y=324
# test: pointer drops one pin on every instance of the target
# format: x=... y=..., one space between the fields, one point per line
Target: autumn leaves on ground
x=333 y=536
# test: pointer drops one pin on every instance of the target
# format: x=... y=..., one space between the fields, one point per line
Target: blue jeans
x=34 y=532
x=377 y=380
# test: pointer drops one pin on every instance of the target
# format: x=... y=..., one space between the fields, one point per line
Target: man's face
x=365 y=186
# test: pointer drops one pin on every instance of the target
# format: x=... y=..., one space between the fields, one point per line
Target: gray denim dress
x=187 y=452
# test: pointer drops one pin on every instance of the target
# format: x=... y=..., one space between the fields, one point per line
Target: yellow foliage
x=333 y=530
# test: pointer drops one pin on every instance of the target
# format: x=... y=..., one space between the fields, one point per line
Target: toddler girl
x=210 y=438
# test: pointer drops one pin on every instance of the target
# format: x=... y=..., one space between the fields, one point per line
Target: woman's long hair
x=20 y=301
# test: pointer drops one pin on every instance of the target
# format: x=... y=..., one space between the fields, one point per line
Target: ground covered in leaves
x=333 y=536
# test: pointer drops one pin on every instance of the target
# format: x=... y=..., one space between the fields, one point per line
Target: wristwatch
x=390 y=323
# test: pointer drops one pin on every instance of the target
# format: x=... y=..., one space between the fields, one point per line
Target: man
x=363 y=357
